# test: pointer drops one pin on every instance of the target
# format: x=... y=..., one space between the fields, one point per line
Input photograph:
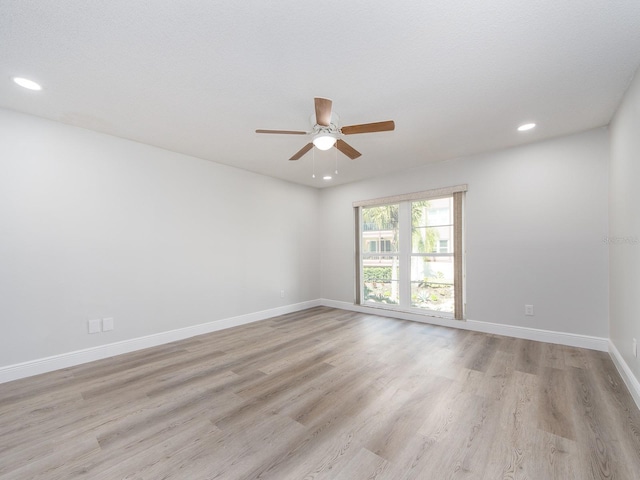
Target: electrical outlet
x=282 y=293
x=528 y=310
x=95 y=325
x=635 y=348
x=107 y=324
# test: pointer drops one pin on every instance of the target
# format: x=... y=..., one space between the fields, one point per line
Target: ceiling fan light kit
x=326 y=132
x=324 y=141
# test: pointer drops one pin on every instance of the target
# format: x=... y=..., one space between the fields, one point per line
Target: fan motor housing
x=331 y=129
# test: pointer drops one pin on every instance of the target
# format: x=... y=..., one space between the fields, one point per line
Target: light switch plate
x=107 y=324
x=95 y=325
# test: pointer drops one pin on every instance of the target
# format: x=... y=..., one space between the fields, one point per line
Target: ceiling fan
x=326 y=132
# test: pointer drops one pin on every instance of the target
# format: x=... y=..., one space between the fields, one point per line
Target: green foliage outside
x=377 y=274
x=381 y=297
x=385 y=217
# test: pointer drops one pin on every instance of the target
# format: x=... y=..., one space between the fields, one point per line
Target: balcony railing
x=375 y=227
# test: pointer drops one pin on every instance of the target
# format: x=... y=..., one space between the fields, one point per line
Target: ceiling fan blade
x=369 y=127
x=347 y=149
x=288 y=132
x=323 y=111
x=302 y=151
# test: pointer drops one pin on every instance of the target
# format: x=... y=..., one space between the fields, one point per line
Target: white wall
x=536 y=218
x=624 y=227
x=94 y=226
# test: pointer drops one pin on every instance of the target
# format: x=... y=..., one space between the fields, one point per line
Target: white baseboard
x=65 y=360
x=548 y=336
x=625 y=372
x=560 y=338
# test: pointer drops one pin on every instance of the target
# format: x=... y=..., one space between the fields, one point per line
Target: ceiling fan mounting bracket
x=331 y=129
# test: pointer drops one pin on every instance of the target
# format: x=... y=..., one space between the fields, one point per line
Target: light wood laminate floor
x=327 y=394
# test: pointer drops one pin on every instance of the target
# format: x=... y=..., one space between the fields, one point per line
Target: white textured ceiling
x=199 y=77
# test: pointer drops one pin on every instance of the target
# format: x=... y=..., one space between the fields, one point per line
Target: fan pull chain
x=336 y=147
x=313 y=162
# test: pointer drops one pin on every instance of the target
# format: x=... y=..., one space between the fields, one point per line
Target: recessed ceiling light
x=526 y=126
x=327 y=177
x=26 y=83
